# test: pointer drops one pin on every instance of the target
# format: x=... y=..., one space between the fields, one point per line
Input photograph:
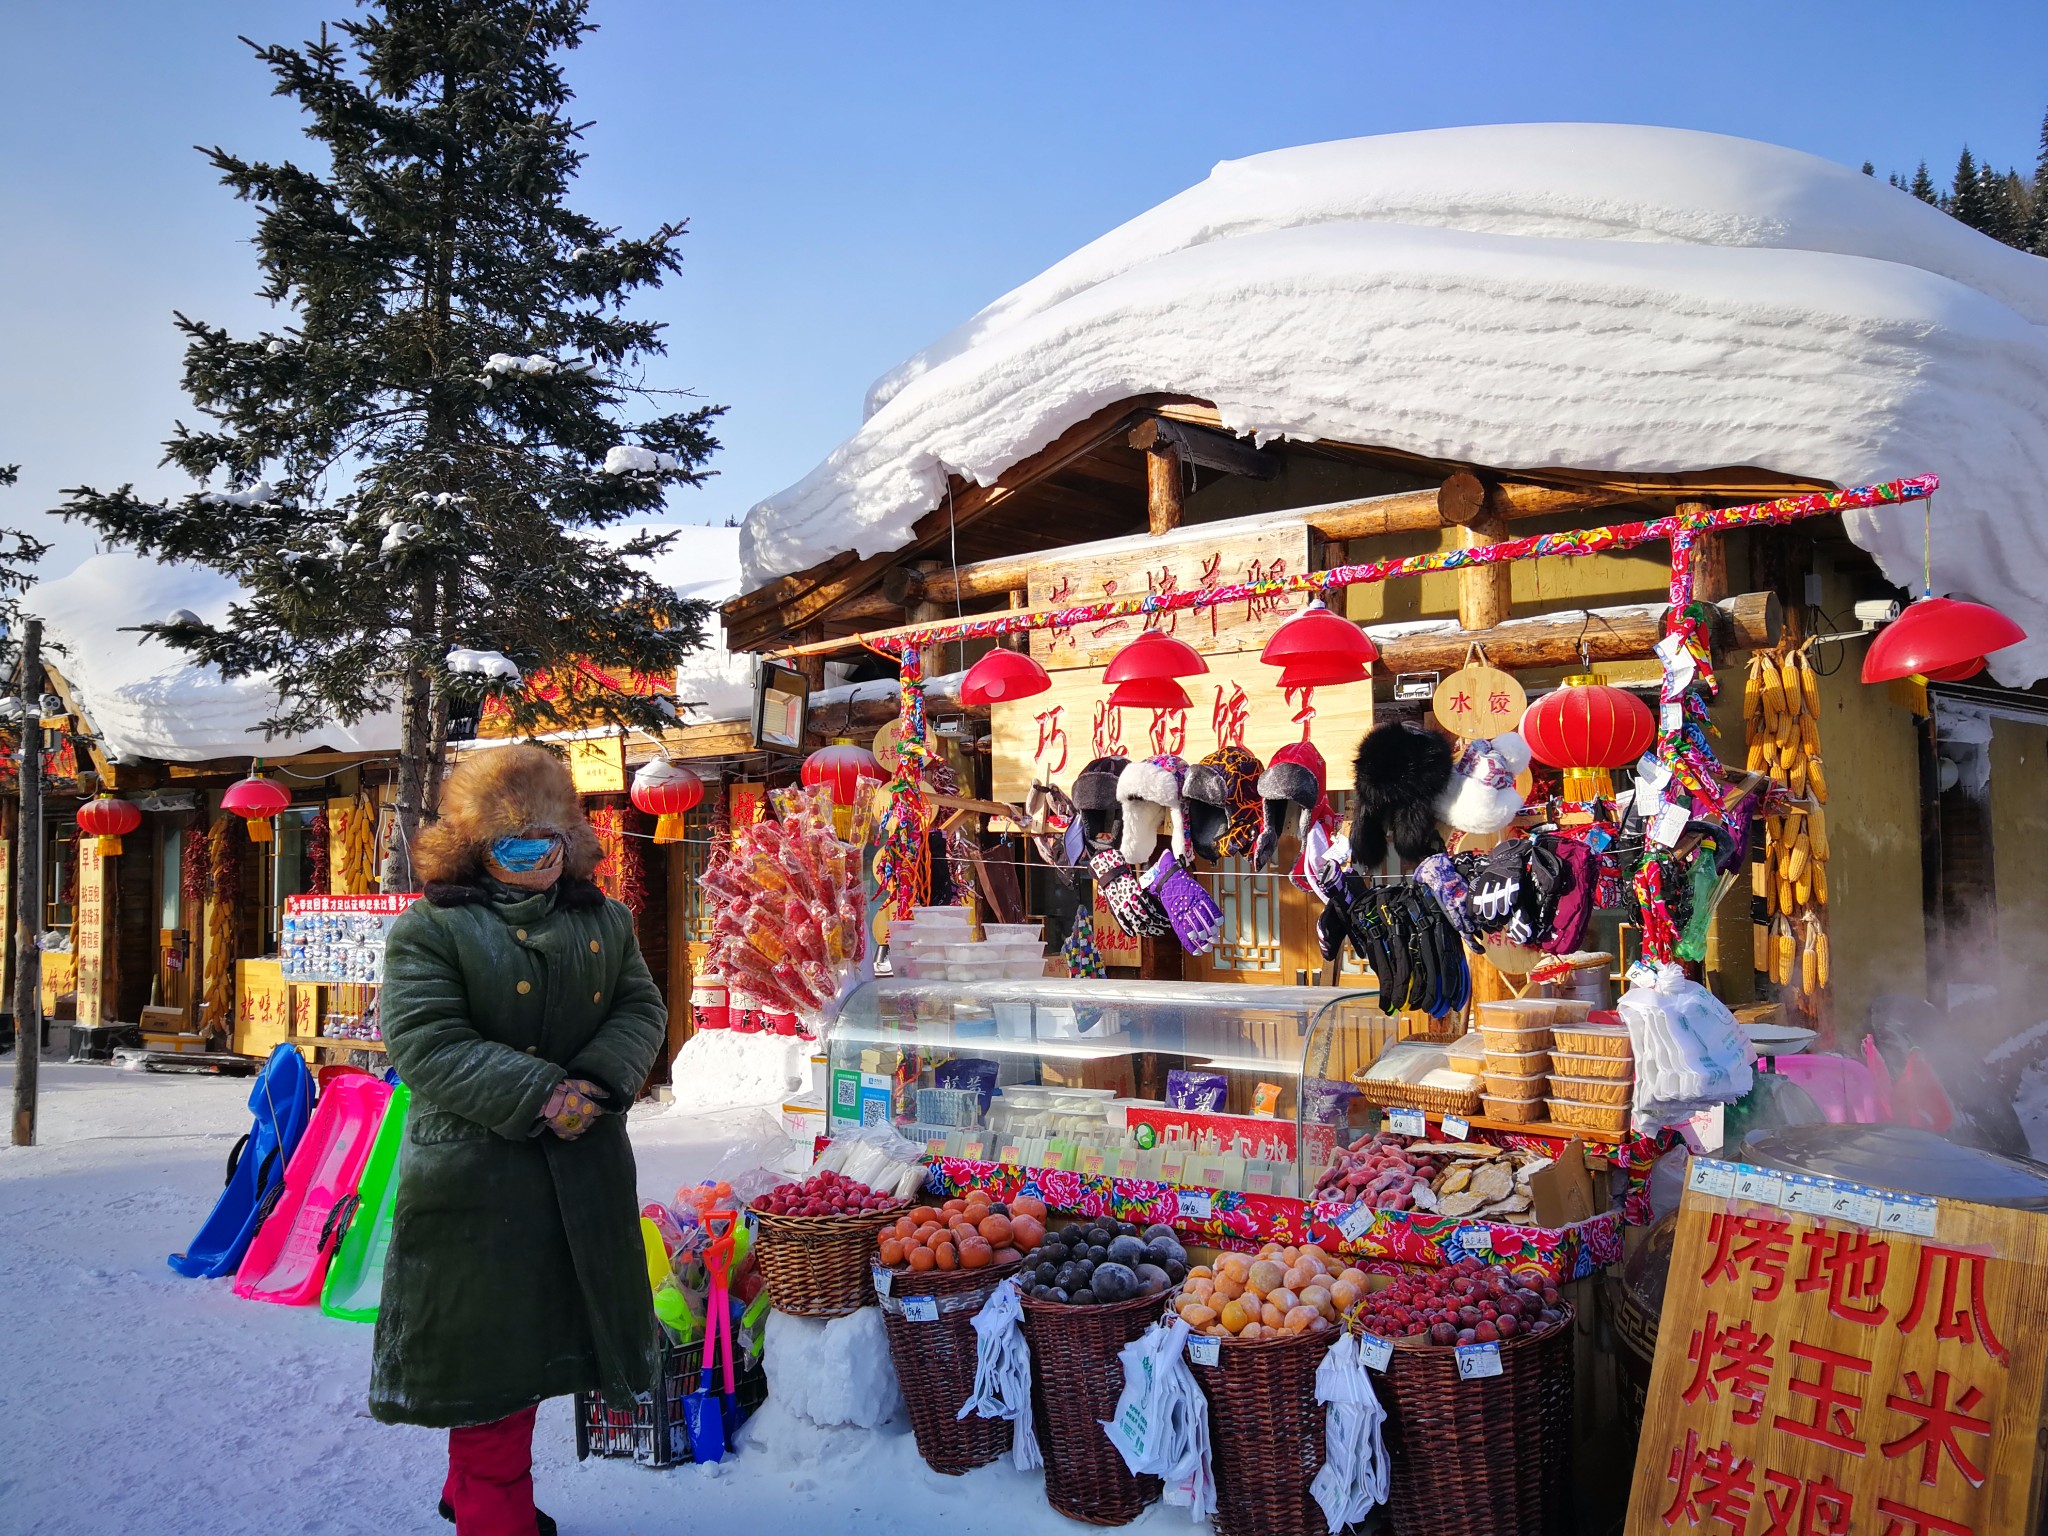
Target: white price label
x=1355 y=1223
x=1197 y=1203
x=1802 y=1192
x=1851 y=1202
x=1670 y=825
x=1759 y=1185
x=1711 y=1176
x=1379 y=1352
x=1205 y=1351
x=1457 y=1127
x=1670 y=717
x=921 y=1309
x=1476 y=1360
x=1407 y=1122
x=1642 y=974
x=1906 y=1213
x=884 y=1282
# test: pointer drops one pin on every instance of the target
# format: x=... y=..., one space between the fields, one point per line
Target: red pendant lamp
x=1001 y=676
x=1586 y=728
x=1154 y=656
x=667 y=791
x=1318 y=649
x=1937 y=636
x=107 y=819
x=1322 y=674
x=1149 y=693
x=256 y=799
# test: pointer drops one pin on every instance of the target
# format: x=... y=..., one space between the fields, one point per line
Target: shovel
x=701 y=1409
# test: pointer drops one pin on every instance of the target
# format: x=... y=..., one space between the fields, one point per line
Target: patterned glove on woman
x=1136 y=910
x=1197 y=920
x=572 y=1108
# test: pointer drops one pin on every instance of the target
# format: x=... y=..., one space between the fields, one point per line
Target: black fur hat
x=1401 y=771
x=1095 y=797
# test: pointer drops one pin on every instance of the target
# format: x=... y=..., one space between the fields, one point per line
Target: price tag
x=1355 y=1223
x=1477 y=1360
x=1803 y=1192
x=923 y=1309
x=884 y=1282
x=1204 y=1350
x=1379 y=1352
x=1711 y=1176
x=1197 y=1203
x=1407 y=1122
x=1670 y=717
x=1457 y=1127
x=1852 y=1202
x=1906 y=1213
x=1642 y=974
x=1670 y=825
x=1013 y=1157
x=1760 y=1185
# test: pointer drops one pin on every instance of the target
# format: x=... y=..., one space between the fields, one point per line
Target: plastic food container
x=1609 y=1118
x=1035 y=932
x=1572 y=1065
x=1523 y=1110
x=1506 y=1085
x=1013 y=1020
x=942 y=917
x=1571 y=1010
x=1518 y=1063
x=1591 y=1090
x=1467 y=1051
x=1515 y=1042
x=1594 y=1039
x=1516 y=1013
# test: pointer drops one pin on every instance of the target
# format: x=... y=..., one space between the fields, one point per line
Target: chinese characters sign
x=338 y=938
x=89 y=937
x=1477 y=701
x=1185 y=561
x=1823 y=1376
x=1237 y=702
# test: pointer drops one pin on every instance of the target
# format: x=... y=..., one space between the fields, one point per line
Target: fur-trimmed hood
x=503 y=792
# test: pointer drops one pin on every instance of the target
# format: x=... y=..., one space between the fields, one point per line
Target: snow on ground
x=1595 y=296
x=140 y=1403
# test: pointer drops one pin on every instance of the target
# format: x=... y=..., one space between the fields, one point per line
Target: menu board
x=339 y=938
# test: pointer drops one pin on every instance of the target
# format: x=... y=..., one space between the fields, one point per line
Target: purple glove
x=1136 y=910
x=572 y=1108
x=1197 y=920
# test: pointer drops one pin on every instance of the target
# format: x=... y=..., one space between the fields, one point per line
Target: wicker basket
x=817 y=1266
x=935 y=1362
x=1486 y=1457
x=1266 y=1434
x=1434 y=1101
x=1076 y=1380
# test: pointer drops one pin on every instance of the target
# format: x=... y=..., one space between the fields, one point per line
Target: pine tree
x=18 y=556
x=1923 y=186
x=1869 y=169
x=416 y=458
x=2037 y=217
x=1965 y=201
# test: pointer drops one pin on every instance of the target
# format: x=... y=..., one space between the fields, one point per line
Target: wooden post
x=28 y=887
x=1709 y=560
x=1485 y=592
x=925 y=611
x=1162 y=489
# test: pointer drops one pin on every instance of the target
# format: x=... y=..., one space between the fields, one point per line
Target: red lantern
x=1937 y=635
x=1154 y=656
x=1319 y=648
x=1002 y=675
x=667 y=791
x=842 y=768
x=1586 y=728
x=1149 y=693
x=107 y=819
x=256 y=799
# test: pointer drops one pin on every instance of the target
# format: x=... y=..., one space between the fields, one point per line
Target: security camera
x=1877 y=612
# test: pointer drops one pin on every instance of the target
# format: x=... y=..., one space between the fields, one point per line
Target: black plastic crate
x=653 y=1431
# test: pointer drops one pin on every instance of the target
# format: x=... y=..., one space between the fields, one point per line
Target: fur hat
x=1296 y=777
x=1401 y=773
x=1221 y=798
x=1150 y=791
x=1481 y=797
x=503 y=792
x=1102 y=814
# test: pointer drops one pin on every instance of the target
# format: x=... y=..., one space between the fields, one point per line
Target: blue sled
x=282 y=1102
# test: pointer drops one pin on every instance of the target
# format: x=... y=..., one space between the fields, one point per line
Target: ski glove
x=572 y=1108
x=1136 y=910
x=1197 y=920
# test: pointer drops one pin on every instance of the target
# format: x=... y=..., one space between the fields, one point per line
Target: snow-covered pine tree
x=1965 y=200
x=417 y=457
x=2037 y=215
x=1922 y=185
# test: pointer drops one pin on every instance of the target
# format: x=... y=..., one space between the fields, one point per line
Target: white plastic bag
x=1353 y=1479
x=1689 y=1053
x=1162 y=1420
x=1002 y=1372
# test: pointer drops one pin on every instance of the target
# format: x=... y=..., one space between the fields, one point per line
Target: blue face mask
x=520 y=854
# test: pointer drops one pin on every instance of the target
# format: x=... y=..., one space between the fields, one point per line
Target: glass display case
x=1224 y=1087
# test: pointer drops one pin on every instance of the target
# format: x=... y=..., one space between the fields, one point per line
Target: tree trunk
x=415 y=750
x=28 y=889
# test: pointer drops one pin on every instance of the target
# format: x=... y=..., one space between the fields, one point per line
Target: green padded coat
x=516 y=1270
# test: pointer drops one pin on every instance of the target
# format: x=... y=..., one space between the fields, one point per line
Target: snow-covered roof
x=147 y=699
x=1590 y=296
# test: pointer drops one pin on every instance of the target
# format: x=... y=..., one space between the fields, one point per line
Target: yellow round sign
x=885 y=746
x=1479 y=701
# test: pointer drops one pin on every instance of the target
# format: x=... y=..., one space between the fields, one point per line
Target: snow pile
x=630 y=459
x=1583 y=295
x=148 y=699
x=501 y=363
x=833 y=1371
x=497 y=664
x=726 y=1069
x=259 y=494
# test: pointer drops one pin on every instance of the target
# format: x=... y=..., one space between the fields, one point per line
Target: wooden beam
x=1485 y=592
x=1750 y=622
x=1211 y=450
x=1709 y=560
x=1162 y=490
x=1466 y=500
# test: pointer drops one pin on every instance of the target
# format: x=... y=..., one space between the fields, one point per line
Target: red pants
x=490 y=1477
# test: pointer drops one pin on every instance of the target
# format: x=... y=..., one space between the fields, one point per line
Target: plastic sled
x=281 y=1099
x=288 y=1259
x=355 y=1280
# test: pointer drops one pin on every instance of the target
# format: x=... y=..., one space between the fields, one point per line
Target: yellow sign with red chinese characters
x=1478 y=701
x=1835 y=1360
x=89 y=934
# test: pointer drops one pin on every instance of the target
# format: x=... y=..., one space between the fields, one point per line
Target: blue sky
x=861 y=178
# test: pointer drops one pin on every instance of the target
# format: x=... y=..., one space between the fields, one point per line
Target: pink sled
x=288 y=1259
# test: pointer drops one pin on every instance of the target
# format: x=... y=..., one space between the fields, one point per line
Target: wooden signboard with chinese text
x=597 y=764
x=1825 y=1374
x=261 y=1006
x=1179 y=562
x=1237 y=702
x=89 y=933
x=6 y=917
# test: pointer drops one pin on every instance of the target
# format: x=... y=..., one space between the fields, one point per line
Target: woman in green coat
x=517 y=1006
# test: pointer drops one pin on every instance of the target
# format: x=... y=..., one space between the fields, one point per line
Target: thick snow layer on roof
x=148 y=699
x=1577 y=295
x=704 y=563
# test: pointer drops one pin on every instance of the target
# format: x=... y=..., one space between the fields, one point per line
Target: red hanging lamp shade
x=1935 y=636
x=842 y=768
x=667 y=791
x=1318 y=637
x=256 y=799
x=1587 y=727
x=107 y=819
x=1322 y=672
x=1149 y=693
x=1154 y=656
x=1003 y=675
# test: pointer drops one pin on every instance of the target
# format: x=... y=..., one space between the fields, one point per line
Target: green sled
x=355 y=1280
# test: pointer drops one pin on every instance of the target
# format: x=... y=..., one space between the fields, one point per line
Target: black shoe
x=544 y=1520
